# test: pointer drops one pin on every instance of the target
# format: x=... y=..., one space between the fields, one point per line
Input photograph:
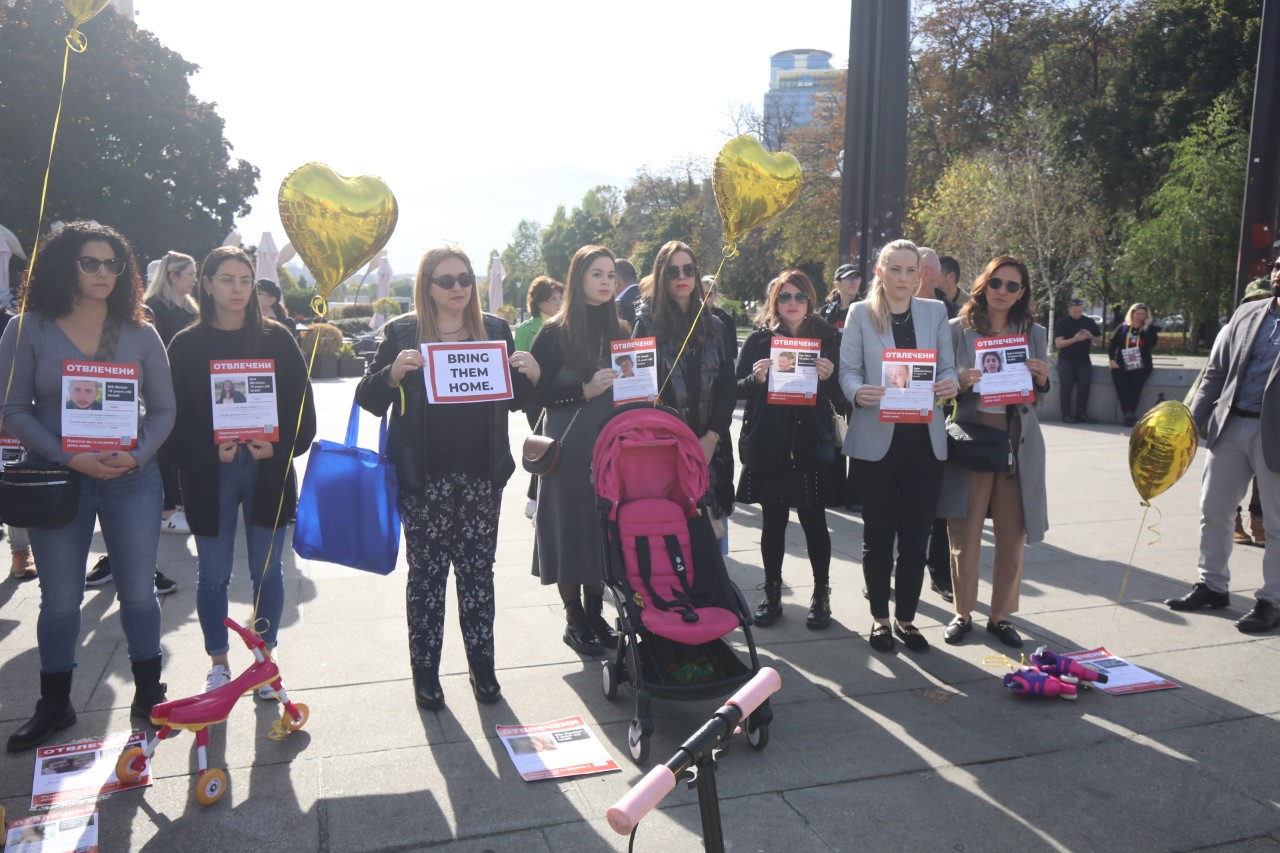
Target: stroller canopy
x=648 y=452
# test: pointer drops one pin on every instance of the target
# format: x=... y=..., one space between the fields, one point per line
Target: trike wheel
x=210 y=787
x=638 y=742
x=130 y=764
x=757 y=733
x=304 y=714
x=610 y=677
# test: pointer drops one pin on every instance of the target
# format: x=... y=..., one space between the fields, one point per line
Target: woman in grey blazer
x=898 y=465
x=1000 y=304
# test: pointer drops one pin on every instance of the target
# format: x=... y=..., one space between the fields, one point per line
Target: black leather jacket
x=405 y=445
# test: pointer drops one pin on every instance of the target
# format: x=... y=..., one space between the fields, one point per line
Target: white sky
x=475 y=113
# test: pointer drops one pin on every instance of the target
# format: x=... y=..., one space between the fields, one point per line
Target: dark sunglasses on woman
x=784 y=298
x=447 y=282
x=1004 y=284
x=90 y=266
x=676 y=271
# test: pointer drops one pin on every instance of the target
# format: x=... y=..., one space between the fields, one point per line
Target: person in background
x=728 y=328
x=1136 y=338
x=930 y=273
x=948 y=291
x=846 y=287
x=629 y=291
x=270 y=302
x=1257 y=535
x=545 y=297
x=1073 y=335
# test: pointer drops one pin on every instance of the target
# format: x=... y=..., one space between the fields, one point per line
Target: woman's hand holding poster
x=908 y=385
x=1005 y=377
x=636 y=361
x=793 y=377
x=100 y=406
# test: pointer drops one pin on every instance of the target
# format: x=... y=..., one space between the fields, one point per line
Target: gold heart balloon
x=752 y=186
x=83 y=10
x=336 y=224
x=1161 y=448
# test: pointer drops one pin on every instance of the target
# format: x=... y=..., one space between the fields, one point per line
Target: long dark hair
x=253 y=319
x=585 y=330
x=670 y=324
x=974 y=313
x=54 y=285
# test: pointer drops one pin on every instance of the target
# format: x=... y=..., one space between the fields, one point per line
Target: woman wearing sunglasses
x=898 y=465
x=572 y=350
x=1131 y=346
x=1000 y=305
x=788 y=453
x=452 y=460
x=695 y=374
x=84 y=304
x=252 y=477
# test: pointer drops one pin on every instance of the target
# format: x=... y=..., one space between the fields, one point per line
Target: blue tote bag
x=347 y=511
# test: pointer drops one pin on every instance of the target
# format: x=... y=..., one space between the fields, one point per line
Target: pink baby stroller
x=663 y=568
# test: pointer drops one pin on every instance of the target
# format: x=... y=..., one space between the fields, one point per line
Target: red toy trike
x=197 y=713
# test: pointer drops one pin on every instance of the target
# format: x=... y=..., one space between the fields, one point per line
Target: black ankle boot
x=427 y=691
x=819 y=609
x=484 y=683
x=577 y=632
x=600 y=627
x=147 y=689
x=53 y=712
x=771 y=608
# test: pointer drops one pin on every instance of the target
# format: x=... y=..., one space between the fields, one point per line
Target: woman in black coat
x=1137 y=338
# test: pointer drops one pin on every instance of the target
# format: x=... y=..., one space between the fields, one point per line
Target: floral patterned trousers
x=453 y=519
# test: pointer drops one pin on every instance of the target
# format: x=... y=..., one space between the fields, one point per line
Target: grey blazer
x=954 y=500
x=1212 y=402
x=861 y=361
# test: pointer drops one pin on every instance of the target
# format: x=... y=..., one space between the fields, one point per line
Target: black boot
x=600 y=627
x=771 y=608
x=819 y=609
x=426 y=688
x=147 y=689
x=577 y=632
x=53 y=712
x=484 y=683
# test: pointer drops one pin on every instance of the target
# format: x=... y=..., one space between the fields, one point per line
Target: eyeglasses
x=676 y=271
x=232 y=281
x=1275 y=265
x=1004 y=284
x=90 y=266
x=447 y=282
x=787 y=296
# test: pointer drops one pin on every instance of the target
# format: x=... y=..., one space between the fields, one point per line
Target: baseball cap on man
x=847 y=271
x=1075 y=302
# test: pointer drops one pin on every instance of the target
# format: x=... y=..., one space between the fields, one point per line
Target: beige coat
x=954 y=500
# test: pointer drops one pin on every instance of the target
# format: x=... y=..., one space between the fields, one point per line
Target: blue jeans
x=128 y=509
x=216 y=555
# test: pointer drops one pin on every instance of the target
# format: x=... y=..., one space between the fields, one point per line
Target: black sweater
x=190 y=447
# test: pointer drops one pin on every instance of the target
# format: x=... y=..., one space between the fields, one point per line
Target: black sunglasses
x=1275 y=265
x=676 y=271
x=90 y=266
x=1004 y=284
x=447 y=282
x=787 y=296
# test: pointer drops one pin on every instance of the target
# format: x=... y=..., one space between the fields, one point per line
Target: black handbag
x=540 y=454
x=979 y=447
x=38 y=495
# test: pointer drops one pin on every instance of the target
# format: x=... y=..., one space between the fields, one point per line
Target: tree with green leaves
x=522 y=260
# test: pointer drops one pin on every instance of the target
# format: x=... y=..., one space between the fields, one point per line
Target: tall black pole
x=1261 y=216
x=873 y=191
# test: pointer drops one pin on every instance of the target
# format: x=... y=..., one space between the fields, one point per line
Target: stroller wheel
x=610 y=670
x=125 y=771
x=638 y=742
x=757 y=733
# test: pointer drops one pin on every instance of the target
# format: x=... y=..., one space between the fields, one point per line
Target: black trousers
x=899 y=499
x=1129 y=388
x=817 y=538
x=1077 y=375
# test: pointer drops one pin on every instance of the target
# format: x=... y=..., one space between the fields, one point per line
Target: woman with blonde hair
x=898 y=465
x=452 y=461
x=1131 y=346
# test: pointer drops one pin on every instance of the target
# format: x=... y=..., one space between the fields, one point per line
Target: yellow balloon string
x=1002 y=660
x=657 y=401
x=1147 y=506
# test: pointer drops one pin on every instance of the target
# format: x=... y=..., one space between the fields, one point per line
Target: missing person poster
x=244 y=400
x=69 y=830
x=1123 y=677
x=10 y=450
x=908 y=385
x=468 y=372
x=100 y=406
x=793 y=377
x=83 y=770
x=636 y=361
x=555 y=750
x=1005 y=377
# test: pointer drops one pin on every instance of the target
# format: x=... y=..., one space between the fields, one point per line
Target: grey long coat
x=954 y=500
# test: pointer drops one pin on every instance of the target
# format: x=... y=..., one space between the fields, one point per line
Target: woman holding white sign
x=237 y=458
x=452 y=460
x=84 y=319
x=1131 y=347
x=1000 y=307
x=788 y=452
x=573 y=352
x=896 y=453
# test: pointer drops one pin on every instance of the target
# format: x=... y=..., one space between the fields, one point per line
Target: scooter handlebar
x=752 y=694
x=252 y=640
x=636 y=803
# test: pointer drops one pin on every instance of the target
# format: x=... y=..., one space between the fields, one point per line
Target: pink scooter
x=197 y=713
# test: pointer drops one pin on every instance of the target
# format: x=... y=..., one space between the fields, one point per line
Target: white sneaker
x=267 y=693
x=530 y=508
x=176 y=523
x=219 y=676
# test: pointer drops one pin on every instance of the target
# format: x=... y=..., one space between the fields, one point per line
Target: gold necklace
x=903 y=321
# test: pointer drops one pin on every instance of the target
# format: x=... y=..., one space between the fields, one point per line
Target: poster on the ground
x=793 y=376
x=1005 y=375
x=636 y=361
x=555 y=750
x=83 y=770
x=466 y=372
x=99 y=406
x=1122 y=677
x=69 y=830
x=244 y=400
x=908 y=385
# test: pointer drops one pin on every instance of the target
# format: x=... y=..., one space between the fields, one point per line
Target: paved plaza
x=867 y=752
